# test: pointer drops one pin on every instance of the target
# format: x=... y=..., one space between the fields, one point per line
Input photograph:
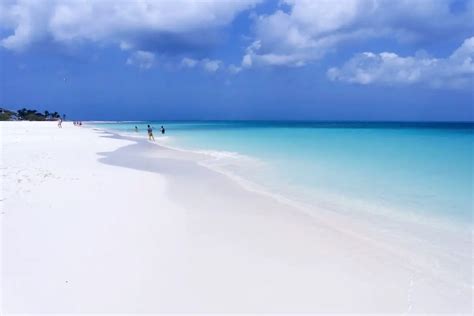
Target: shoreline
x=354 y=226
x=397 y=213
x=332 y=214
x=212 y=234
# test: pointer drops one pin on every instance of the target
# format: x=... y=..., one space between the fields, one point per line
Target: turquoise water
x=415 y=169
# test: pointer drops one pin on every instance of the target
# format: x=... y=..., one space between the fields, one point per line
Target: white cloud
x=124 y=22
x=189 y=62
x=25 y=20
x=309 y=29
x=455 y=71
x=141 y=59
x=209 y=65
x=247 y=60
x=233 y=69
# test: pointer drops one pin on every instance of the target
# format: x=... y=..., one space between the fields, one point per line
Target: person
x=60 y=122
x=162 y=130
x=150 y=133
x=136 y=129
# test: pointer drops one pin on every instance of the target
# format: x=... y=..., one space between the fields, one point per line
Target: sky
x=384 y=60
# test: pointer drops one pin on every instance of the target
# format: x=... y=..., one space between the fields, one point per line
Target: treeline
x=29 y=115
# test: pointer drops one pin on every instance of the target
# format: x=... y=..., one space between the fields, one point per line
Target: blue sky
x=247 y=59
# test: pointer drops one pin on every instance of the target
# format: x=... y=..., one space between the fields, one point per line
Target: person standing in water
x=136 y=129
x=150 y=133
x=162 y=130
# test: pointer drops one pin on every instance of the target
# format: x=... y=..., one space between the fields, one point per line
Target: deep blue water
x=416 y=169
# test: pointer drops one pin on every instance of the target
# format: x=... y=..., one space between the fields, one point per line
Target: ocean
x=421 y=172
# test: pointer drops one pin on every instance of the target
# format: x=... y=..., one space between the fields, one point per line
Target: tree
x=34 y=115
x=22 y=113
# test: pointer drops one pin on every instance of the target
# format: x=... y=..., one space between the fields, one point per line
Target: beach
x=99 y=222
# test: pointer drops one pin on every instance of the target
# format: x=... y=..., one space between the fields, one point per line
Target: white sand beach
x=97 y=223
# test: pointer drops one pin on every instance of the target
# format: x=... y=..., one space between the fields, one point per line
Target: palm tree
x=22 y=112
x=46 y=113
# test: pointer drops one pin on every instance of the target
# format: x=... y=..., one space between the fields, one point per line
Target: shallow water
x=418 y=171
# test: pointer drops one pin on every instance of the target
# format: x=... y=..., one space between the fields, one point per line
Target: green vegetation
x=6 y=115
x=28 y=115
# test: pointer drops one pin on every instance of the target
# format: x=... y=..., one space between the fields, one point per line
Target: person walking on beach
x=162 y=130
x=60 y=123
x=150 y=133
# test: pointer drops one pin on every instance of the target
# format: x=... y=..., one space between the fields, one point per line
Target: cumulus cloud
x=130 y=24
x=301 y=31
x=233 y=69
x=189 y=62
x=141 y=59
x=455 y=71
x=209 y=65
